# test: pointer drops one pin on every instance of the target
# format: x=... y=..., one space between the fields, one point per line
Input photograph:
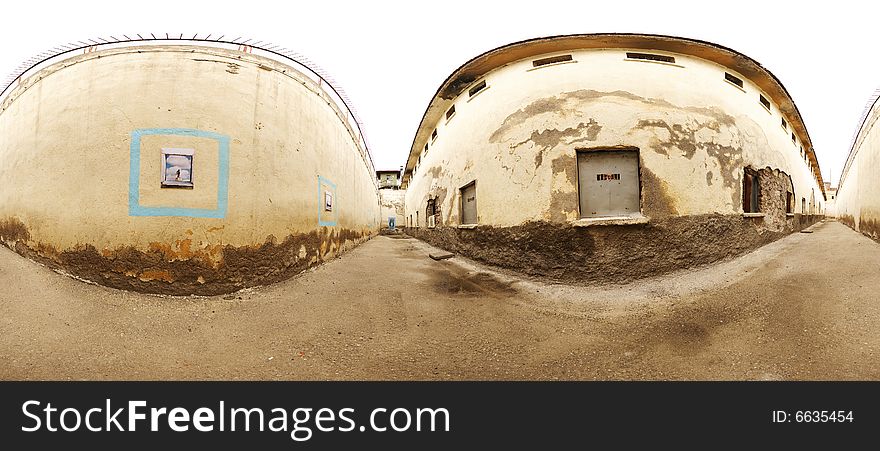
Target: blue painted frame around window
x=323 y=181
x=134 y=206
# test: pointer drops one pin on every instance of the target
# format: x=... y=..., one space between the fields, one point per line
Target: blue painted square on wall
x=134 y=206
x=335 y=207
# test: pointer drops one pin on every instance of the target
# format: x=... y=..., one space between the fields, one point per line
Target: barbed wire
x=301 y=60
x=872 y=101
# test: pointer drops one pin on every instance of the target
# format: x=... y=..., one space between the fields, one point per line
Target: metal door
x=608 y=183
x=469 y=204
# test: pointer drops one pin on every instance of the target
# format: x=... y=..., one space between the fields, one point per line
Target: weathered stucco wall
x=391 y=203
x=695 y=132
x=80 y=162
x=857 y=201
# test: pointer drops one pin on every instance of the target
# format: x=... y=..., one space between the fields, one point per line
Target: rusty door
x=608 y=182
x=469 y=204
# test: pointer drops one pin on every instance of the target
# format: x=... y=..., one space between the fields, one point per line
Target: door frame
x=461 y=207
x=585 y=150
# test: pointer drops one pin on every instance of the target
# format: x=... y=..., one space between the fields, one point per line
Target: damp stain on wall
x=609 y=254
x=180 y=269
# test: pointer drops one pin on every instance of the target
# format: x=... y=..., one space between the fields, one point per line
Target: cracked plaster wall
x=695 y=133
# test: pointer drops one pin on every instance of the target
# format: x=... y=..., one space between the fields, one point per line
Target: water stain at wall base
x=178 y=271
x=610 y=254
x=869 y=228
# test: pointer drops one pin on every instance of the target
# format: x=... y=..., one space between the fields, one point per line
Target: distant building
x=391 y=208
x=388 y=178
x=830 y=200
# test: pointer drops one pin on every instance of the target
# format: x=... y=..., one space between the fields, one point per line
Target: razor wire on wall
x=262 y=48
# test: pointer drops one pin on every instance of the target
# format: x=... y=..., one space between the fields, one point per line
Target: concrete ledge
x=753 y=215
x=441 y=255
x=610 y=220
x=468 y=226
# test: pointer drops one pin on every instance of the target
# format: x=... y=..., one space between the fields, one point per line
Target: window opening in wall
x=789 y=202
x=426 y=147
x=469 y=203
x=803 y=205
x=551 y=60
x=434 y=134
x=328 y=201
x=608 y=183
x=650 y=57
x=784 y=124
x=417 y=219
x=764 y=102
x=793 y=138
x=733 y=79
x=751 y=192
x=450 y=112
x=813 y=202
x=177 y=168
x=429 y=213
x=477 y=88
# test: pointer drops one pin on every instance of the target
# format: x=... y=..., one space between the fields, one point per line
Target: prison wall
x=857 y=201
x=279 y=183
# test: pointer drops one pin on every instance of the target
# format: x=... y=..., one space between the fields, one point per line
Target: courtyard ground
x=804 y=307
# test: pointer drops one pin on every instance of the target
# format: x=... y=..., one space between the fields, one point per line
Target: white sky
x=390 y=57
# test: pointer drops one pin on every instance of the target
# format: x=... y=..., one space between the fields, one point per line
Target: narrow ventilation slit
x=733 y=79
x=551 y=60
x=450 y=112
x=650 y=57
x=477 y=88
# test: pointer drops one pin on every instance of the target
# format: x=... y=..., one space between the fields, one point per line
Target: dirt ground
x=804 y=307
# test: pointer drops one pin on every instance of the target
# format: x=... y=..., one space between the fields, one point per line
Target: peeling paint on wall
x=693 y=145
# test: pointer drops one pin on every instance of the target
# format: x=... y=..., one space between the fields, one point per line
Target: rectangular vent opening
x=650 y=57
x=477 y=88
x=784 y=124
x=551 y=60
x=733 y=79
x=434 y=134
x=607 y=177
x=764 y=102
x=450 y=112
